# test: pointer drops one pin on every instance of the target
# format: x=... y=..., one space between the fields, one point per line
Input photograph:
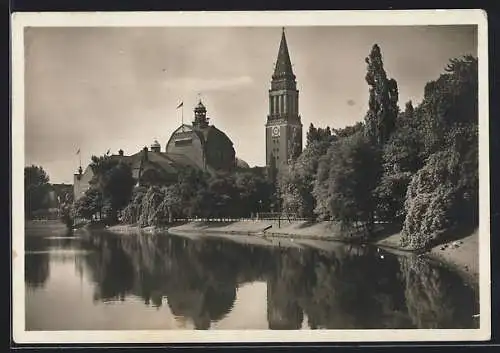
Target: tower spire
x=283 y=127
x=283 y=68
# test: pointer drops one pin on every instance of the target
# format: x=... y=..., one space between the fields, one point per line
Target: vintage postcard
x=250 y=177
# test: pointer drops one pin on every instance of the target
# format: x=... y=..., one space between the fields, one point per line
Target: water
x=101 y=281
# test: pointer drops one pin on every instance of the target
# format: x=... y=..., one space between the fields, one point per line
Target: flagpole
x=181 y=105
x=78 y=152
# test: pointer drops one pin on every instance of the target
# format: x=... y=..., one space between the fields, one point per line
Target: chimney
x=145 y=152
x=120 y=152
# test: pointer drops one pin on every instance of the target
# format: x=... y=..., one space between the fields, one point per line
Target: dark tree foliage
x=89 y=205
x=192 y=185
x=317 y=134
x=443 y=195
x=133 y=210
x=401 y=159
x=254 y=191
x=117 y=187
x=451 y=99
x=383 y=101
x=295 y=147
x=347 y=177
x=196 y=194
x=296 y=186
x=113 y=180
x=348 y=130
x=36 y=189
x=224 y=196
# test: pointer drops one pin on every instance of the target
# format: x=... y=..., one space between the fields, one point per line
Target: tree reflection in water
x=37 y=269
x=346 y=288
x=436 y=298
x=37 y=254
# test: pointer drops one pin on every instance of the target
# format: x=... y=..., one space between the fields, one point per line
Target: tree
x=132 y=211
x=401 y=159
x=254 y=192
x=113 y=179
x=383 y=102
x=311 y=134
x=444 y=193
x=429 y=201
x=36 y=189
x=449 y=100
x=295 y=146
x=153 y=208
x=348 y=130
x=172 y=201
x=318 y=134
x=293 y=192
x=117 y=188
x=347 y=177
x=192 y=184
x=297 y=185
x=224 y=196
x=90 y=204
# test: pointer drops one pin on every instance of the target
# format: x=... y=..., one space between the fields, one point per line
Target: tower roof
x=200 y=106
x=283 y=66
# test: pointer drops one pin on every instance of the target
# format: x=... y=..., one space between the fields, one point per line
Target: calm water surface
x=101 y=281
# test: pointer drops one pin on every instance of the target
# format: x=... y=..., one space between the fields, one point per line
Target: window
x=183 y=141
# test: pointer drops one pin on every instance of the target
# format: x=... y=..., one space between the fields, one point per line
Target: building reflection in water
x=347 y=287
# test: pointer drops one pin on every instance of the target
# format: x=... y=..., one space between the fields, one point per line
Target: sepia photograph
x=250 y=177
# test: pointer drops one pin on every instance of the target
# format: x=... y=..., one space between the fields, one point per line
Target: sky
x=110 y=88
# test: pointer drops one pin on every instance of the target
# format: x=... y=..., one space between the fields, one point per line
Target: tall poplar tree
x=383 y=102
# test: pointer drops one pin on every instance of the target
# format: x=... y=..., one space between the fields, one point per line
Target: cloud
x=198 y=84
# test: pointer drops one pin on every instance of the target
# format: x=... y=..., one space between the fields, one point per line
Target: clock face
x=276 y=131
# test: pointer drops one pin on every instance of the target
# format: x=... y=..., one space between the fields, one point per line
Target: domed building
x=207 y=146
x=201 y=146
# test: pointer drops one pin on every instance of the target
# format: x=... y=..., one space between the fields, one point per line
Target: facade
x=200 y=146
x=283 y=126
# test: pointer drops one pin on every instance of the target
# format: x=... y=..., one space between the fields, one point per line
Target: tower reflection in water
x=347 y=287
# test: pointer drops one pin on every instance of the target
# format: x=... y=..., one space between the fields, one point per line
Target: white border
x=253 y=19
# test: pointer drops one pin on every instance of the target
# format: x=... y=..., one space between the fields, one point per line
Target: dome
x=240 y=163
x=155 y=146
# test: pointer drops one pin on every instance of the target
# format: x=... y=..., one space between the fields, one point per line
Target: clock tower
x=283 y=127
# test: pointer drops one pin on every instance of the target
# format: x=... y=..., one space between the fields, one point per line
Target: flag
x=180 y=105
x=78 y=152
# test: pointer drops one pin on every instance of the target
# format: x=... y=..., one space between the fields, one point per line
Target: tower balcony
x=286 y=117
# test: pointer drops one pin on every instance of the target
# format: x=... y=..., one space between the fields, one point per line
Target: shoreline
x=460 y=256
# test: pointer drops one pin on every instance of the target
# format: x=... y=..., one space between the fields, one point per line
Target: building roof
x=213 y=131
x=283 y=68
x=167 y=163
x=200 y=107
x=204 y=134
